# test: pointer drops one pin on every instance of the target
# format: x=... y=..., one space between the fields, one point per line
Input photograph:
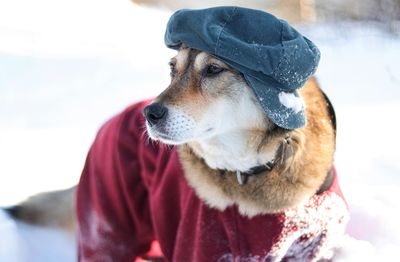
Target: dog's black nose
x=154 y=113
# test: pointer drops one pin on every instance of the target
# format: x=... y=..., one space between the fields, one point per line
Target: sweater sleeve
x=114 y=222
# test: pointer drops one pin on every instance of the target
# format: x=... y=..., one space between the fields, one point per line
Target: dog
x=234 y=156
x=211 y=113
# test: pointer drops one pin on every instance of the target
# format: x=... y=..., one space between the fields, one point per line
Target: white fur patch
x=227 y=146
x=200 y=60
x=182 y=59
x=291 y=101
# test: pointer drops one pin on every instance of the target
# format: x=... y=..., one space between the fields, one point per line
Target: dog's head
x=210 y=107
x=205 y=98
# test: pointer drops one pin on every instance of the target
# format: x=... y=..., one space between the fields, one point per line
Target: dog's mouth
x=167 y=124
x=175 y=135
x=162 y=136
x=158 y=133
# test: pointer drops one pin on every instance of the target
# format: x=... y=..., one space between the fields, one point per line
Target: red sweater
x=133 y=191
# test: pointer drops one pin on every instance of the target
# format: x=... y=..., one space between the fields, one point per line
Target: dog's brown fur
x=299 y=173
x=304 y=156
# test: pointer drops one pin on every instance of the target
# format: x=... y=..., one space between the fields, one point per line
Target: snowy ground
x=67 y=66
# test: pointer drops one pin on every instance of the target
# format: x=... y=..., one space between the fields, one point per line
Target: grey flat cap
x=274 y=58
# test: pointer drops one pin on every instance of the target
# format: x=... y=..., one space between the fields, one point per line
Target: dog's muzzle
x=155 y=113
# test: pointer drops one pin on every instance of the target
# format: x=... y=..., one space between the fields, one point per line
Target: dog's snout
x=154 y=113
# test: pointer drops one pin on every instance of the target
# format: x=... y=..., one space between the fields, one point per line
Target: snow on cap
x=274 y=58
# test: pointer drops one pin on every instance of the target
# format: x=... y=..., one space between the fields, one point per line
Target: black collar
x=242 y=176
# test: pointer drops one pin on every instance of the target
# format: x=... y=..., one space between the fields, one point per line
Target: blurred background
x=68 y=66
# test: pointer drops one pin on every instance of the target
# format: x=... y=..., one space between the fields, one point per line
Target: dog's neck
x=232 y=152
x=211 y=167
x=304 y=157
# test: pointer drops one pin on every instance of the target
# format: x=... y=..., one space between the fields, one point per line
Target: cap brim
x=286 y=110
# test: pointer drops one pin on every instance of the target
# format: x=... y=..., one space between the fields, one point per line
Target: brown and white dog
x=218 y=124
x=214 y=117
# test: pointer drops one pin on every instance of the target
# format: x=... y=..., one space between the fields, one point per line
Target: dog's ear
x=289 y=155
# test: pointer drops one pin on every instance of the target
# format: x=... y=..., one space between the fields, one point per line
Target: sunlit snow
x=67 y=66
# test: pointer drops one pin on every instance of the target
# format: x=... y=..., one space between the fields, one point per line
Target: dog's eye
x=212 y=70
x=172 y=68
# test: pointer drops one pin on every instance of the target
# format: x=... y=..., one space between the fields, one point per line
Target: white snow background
x=67 y=66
